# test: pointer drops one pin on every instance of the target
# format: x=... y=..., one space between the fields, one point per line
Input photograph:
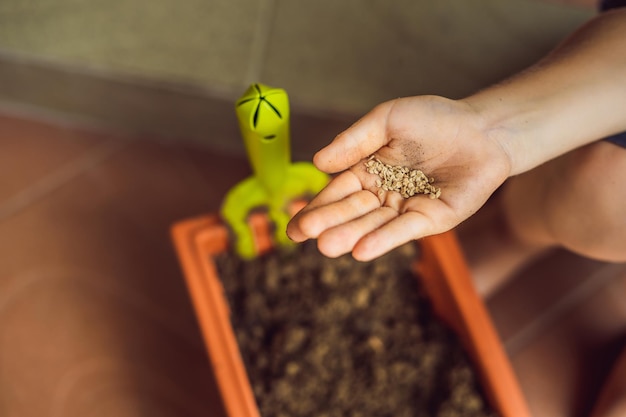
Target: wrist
x=506 y=125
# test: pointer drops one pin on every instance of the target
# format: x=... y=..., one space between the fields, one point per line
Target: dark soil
x=334 y=337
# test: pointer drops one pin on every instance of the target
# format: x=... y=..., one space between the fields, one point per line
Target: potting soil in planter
x=327 y=337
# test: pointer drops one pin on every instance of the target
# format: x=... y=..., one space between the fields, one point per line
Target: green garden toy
x=263 y=114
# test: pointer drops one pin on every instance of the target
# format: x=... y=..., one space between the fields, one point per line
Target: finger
x=357 y=142
x=408 y=226
x=340 y=187
x=341 y=239
x=355 y=205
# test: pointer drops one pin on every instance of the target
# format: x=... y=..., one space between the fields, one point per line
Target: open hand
x=443 y=138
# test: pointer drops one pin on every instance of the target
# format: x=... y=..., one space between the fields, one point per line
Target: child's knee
x=586 y=203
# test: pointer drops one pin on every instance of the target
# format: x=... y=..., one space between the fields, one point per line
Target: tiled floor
x=94 y=316
x=95 y=319
x=563 y=322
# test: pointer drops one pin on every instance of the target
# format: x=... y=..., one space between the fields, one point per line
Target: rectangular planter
x=440 y=267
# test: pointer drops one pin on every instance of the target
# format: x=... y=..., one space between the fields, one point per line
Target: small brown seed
x=403 y=180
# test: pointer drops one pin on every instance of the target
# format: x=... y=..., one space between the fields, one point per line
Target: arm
x=574 y=96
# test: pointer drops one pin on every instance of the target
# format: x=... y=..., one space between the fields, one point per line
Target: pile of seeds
x=404 y=180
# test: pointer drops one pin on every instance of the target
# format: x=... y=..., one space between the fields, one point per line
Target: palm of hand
x=441 y=137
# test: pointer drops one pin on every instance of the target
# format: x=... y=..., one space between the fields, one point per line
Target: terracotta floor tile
x=30 y=150
x=537 y=289
x=562 y=368
x=93 y=307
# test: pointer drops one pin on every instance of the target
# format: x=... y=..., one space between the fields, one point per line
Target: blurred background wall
x=172 y=68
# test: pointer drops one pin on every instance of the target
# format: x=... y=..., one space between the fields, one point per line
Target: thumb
x=362 y=139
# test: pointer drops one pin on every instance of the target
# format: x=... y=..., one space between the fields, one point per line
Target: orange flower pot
x=440 y=267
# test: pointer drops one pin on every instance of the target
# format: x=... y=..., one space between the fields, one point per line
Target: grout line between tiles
x=521 y=339
x=58 y=178
x=260 y=41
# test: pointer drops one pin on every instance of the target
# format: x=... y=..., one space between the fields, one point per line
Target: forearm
x=574 y=96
